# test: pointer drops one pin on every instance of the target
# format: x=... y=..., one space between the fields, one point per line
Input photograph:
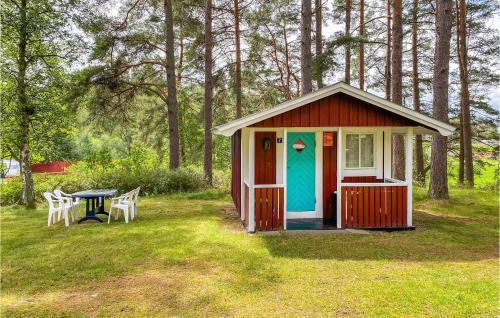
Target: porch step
x=310 y=224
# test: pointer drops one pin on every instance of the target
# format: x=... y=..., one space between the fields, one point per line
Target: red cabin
x=325 y=158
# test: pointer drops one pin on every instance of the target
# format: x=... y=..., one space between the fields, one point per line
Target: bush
x=152 y=180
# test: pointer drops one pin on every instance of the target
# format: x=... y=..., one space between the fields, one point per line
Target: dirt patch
x=445 y=217
x=231 y=219
x=158 y=293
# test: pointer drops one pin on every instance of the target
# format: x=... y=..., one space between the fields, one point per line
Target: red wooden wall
x=236 y=170
x=265 y=160
x=363 y=179
x=330 y=179
x=336 y=110
x=51 y=167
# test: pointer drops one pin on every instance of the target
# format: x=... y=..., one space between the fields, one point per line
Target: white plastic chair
x=66 y=202
x=74 y=201
x=134 y=198
x=122 y=203
x=53 y=210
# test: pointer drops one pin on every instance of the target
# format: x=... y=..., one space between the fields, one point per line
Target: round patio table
x=97 y=206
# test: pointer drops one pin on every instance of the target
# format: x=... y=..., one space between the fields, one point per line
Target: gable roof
x=429 y=125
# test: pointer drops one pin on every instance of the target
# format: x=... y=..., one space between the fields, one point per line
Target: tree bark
x=464 y=93
x=207 y=164
x=26 y=110
x=362 y=45
x=238 y=58
x=419 y=151
x=461 y=153
x=388 y=53
x=173 y=113
x=438 y=188
x=305 y=48
x=398 y=156
x=319 y=38
x=347 y=69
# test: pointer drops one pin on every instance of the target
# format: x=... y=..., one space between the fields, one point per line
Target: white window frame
x=359 y=150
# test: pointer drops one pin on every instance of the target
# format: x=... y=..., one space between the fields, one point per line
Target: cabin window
x=359 y=151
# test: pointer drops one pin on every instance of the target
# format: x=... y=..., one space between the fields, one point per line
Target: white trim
x=285 y=133
x=387 y=168
x=409 y=174
x=339 y=177
x=373 y=184
x=266 y=186
x=251 y=178
x=340 y=87
x=319 y=174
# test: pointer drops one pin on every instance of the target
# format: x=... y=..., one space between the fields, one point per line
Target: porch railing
x=269 y=207
x=374 y=204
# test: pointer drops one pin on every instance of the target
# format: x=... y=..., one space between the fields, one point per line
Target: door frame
x=318 y=211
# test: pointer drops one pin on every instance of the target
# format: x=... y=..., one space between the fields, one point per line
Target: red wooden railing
x=374 y=206
x=269 y=207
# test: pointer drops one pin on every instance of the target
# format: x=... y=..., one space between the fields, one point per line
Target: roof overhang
x=429 y=125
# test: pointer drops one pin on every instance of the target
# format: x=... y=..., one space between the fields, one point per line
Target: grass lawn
x=186 y=255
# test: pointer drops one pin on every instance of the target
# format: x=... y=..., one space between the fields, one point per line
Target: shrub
x=152 y=180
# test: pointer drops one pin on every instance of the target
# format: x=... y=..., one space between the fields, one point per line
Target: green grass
x=186 y=255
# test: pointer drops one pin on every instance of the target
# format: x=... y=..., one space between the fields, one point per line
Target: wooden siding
x=51 y=167
x=365 y=179
x=236 y=170
x=374 y=206
x=269 y=209
x=334 y=111
x=265 y=160
x=330 y=179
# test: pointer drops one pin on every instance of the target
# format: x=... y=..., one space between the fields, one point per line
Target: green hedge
x=151 y=180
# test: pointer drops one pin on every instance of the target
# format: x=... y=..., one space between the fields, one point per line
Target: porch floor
x=310 y=224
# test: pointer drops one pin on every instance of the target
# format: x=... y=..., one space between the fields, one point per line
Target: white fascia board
x=229 y=128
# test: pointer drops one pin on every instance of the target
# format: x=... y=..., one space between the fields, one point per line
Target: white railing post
x=339 y=177
x=409 y=173
x=285 y=132
x=251 y=181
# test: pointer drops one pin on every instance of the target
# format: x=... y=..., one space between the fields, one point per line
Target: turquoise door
x=301 y=171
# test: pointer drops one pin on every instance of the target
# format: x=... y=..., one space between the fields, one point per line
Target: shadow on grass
x=163 y=236
x=437 y=238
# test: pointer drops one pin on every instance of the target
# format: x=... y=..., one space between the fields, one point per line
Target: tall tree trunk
x=26 y=110
x=173 y=113
x=419 y=151
x=438 y=188
x=182 y=135
x=207 y=164
x=305 y=48
x=464 y=93
x=388 y=53
x=319 y=38
x=362 y=45
x=238 y=57
x=347 y=69
x=398 y=157
x=461 y=153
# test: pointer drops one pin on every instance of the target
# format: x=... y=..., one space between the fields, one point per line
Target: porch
x=363 y=198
